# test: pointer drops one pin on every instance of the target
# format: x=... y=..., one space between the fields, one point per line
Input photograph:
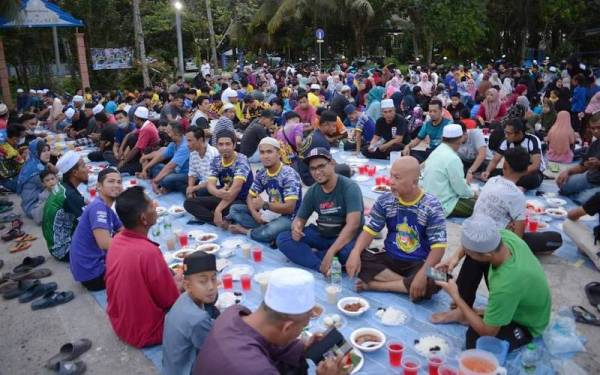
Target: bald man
x=416 y=237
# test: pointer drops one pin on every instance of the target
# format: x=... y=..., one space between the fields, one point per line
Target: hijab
x=483 y=88
x=507 y=88
x=594 y=104
x=523 y=102
x=375 y=95
x=33 y=166
x=495 y=80
x=561 y=135
x=548 y=118
x=492 y=106
x=393 y=86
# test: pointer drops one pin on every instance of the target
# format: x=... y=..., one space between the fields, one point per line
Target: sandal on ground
x=6 y=202
x=12 y=234
x=68 y=352
x=5 y=209
x=16 y=224
x=582 y=315
x=29 y=263
x=10 y=217
x=592 y=291
x=19 y=246
x=38 y=273
x=26 y=238
x=37 y=291
x=19 y=288
x=71 y=368
x=52 y=299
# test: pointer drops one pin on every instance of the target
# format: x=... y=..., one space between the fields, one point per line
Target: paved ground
x=30 y=337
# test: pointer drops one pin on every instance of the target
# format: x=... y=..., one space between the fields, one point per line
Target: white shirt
x=205 y=69
x=200 y=167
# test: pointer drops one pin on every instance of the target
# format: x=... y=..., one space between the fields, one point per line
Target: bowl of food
x=205 y=237
x=557 y=213
x=180 y=254
x=316 y=311
x=160 y=211
x=333 y=321
x=209 y=248
x=367 y=339
x=381 y=189
x=176 y=211
x=353 y=306
x=556 y=202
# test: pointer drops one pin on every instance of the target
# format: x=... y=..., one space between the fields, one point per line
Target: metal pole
x=56 y=51
x=179 y=42
x=319 y=55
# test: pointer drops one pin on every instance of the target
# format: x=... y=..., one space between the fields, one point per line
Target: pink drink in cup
x=485 y=131
x=227 y=280
x=183 y=239
x=133 y=181
x=379 y=180
x=92 y=192
x=434 y=362
x=257 y=254
x=371 y=171
x=447 y=370
x=411 y=365
x=533 y=225
x=395 y=351
x=362 y=169
x=246 y=283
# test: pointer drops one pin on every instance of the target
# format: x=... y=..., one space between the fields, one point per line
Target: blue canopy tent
x=40 y=14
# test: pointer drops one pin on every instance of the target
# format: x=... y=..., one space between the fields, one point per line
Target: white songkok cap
x=141 y=112
x=97 y=109
x=452 y=131
x=67 y=161
x=290 y=291
x=387 y=103
x=269 y=141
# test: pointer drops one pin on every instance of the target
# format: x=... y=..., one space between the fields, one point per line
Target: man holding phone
x=582 y=181
x=416 y=237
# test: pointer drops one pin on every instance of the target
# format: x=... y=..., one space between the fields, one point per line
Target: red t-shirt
x=140 y=289
x=2 y=123
x=147 y=136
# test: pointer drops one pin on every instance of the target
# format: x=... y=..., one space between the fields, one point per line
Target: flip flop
x=6 y=202
x=37 y=291
x=52 y=299
x=32 y=274
x=12 y=234
x=20 y=288
x=5 y=209
x=28 y=263
x=16 y=224
x=71 y=368
x=10 y=217
x=26 y=238
x=19 y=246
x=592 y=291
x=68 y=352
x=582 y=315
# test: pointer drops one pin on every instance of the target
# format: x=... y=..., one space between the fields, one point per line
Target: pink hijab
x=594 y=104
x=492 y=107
x=560 y=138
x=393 y=86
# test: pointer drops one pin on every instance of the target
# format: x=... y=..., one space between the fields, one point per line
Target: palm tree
x=139 y=41
x=211 y=32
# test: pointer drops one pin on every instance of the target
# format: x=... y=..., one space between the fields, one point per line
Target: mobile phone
x=331 y=345
x=437 y=275
x=375 y=251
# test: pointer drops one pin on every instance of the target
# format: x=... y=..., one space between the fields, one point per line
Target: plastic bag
x=561 y=336
x=567 y=367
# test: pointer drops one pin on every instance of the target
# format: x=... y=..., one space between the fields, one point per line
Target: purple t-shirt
x=86 y=257
x=291 y=132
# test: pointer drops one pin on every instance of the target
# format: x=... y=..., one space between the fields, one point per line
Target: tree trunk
x=139 y=41
x=525 y=31
x=211 y=32
x=429 y=46
x=415 y=42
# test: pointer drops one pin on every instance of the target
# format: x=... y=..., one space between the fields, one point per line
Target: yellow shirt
x=314 y=100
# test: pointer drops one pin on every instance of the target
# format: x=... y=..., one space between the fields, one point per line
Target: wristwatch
x=265 y=206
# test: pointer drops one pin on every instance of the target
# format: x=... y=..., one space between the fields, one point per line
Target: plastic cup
x=362 y=169
x=434 y=362
x=92 y=192
x=227 y=281
x=246 y=250
x=246 y=282
x=395 y=351
x=447 y=370
x=183 y=239
x=171 y=243
x=133 y=181
x=257 y=255
x=332 y=292
x=379 y=180
x=371 y=171
x=411 y=365
x=532 y=225
x=388 y=181
x=485 y=131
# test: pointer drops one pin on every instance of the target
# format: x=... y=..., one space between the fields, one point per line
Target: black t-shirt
x=593 y=175
x=337 y=104
x=107 y=134
x=81 y=123
x=592 y=206
x=396 y=128
x=455 y=111
x=252 y=137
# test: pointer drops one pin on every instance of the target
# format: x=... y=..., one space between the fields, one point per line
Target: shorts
x=374 y=264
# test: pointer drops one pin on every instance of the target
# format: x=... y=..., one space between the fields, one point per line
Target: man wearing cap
x=260 y=128
x=265 y=342
x=337 y=200
x=191 y=318
x=229 y=180
x=140 y=287
x=225 y=122
x=443 y=175
x=64 y=205
x=318 y=139
x=168 y=169
x=433 y=129
x=231 y=96
x=147 y=140
x=22 y=100
x=314 y=95
x=520 y=301
x=284 y=189
x=363 y=125
x=391 y=133
x=416 y=237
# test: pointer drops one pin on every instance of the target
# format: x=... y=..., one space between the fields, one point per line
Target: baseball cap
x=317 y=152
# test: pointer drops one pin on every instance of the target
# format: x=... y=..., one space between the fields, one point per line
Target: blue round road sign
x=320 y=34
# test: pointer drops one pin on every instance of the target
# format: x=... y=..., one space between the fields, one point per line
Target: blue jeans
x=240 y=214
x=10 y=183
x=300 y=252
x=173 y=181
x=579 y=188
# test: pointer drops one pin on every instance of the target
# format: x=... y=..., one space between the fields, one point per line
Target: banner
x=111 y=58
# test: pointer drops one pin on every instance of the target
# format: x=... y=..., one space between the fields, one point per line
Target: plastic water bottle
x=336 y=273
x=341 y=145
x=529 y=359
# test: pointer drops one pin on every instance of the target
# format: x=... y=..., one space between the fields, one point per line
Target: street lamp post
x=178 y=6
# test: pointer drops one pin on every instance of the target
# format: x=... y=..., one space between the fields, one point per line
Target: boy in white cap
x=284 y=189
x=443 y=175
x=147 y=140
x=313 y=95
x=391 y=133
x=265 y=341
x=519 y=302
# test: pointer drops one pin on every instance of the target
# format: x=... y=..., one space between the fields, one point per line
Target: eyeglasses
x=318 y=168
